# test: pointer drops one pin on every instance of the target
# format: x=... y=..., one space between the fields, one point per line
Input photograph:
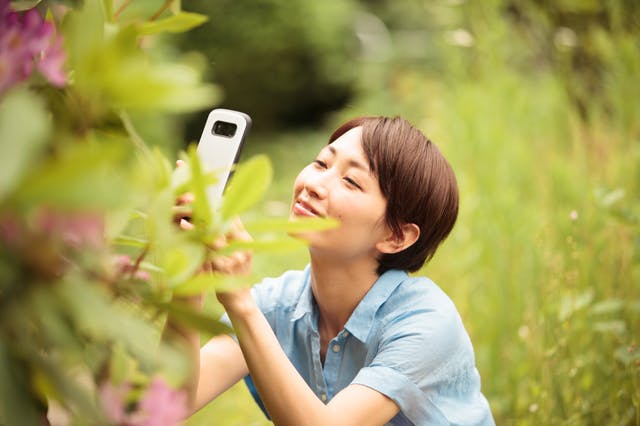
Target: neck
x=338 y=287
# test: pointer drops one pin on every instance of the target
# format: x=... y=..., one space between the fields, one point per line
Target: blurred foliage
x=284 y=62
x=536 y=105
x=90 y=257
x=590 y=46
x=544 y=262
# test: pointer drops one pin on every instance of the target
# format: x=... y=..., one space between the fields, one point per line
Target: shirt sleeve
x=425 y=364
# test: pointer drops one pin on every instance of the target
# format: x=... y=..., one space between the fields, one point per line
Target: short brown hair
x=417 y=182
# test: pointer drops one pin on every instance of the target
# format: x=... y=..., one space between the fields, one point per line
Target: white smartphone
x=220 y=145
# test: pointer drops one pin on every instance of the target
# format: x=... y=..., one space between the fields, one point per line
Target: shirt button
x=324 y=397
x=336 y=348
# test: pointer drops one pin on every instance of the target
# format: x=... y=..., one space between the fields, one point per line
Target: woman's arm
x=216 y=366
x=285 y=394
x=221 y=366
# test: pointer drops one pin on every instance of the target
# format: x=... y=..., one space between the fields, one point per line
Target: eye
x=352 y=183
x=320 y=164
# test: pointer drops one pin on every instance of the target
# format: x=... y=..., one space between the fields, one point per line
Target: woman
x=353 y=339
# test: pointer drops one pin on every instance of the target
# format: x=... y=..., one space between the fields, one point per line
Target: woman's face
x=339 y=184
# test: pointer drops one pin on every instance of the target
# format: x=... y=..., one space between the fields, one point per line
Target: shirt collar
x=361 y=320
x=305 y=302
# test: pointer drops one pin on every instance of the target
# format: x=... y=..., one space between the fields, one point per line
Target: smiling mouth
x=300 y=208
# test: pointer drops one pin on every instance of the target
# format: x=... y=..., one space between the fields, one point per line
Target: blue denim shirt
x=405 y=339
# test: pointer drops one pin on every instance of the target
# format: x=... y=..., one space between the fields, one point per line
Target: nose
x=316 y=186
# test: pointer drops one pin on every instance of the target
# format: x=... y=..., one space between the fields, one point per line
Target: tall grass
x=544 y=262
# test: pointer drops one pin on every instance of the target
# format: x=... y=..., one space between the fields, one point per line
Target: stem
x=160 y=11
x=139 y=260
x=122 y=7
x=133 y=133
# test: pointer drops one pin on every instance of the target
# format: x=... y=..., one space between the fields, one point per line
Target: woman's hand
x=237 y=263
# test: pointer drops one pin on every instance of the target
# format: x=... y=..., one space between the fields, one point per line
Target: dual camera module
x=224 y=128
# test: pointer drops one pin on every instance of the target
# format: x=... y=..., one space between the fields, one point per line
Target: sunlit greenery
x=544 y=262
x=534 y=103
x=91 y=261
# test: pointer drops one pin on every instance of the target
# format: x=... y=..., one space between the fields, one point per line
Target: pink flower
x=28 y=42
x=161 y=406
x=51 y=63
x=113 y=399
x=78 y=230
x=11 y=230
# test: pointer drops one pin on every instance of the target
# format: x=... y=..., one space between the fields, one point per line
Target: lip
x=302 y=208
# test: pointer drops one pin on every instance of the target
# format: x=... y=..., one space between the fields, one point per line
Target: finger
x=219 y=243
x=186 y=198
x=239 y=257
x=181 y=211
x=221 y=264
x=179 y=163
x=186 y=225
x=238 y=232
x=241 y=262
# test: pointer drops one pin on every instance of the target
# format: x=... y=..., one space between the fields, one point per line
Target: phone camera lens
x=224 y=128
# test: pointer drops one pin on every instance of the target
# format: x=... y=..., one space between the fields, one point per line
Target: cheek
x=298 y=184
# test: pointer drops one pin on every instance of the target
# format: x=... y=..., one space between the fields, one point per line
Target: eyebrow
x=353 y=163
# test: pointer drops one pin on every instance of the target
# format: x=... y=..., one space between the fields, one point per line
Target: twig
x=139 y=259
x=160 y=11
x=133 y=133
x=122 y=7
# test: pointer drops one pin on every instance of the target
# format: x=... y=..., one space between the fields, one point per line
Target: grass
x=544 y=262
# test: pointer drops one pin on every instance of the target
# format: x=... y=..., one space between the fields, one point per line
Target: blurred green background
x=537 y=106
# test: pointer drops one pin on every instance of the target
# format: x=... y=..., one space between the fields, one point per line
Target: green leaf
x=95 y=314
x=112 y=69
x=124 y=240
x=180 y=177
x=571 y=304
x=204 y=283
x=247 y=187
x=614 y=326
x=118 y=364
x=276 y=245
x=107 y=5
x=178 y=23
x=202 y=214
x=290 y=225
x=85 y=175
x=148 y=85
x=182 y=261
x=235 y=282
x=68 y=387
x=201 y=283
x=607 y=306
x=20 y=5
x=17 y=405
x=187 y=316
x=627 y=354
x=83 y=31
x=23 y=133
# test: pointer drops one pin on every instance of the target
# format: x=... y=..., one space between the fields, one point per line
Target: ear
x=396 y=242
